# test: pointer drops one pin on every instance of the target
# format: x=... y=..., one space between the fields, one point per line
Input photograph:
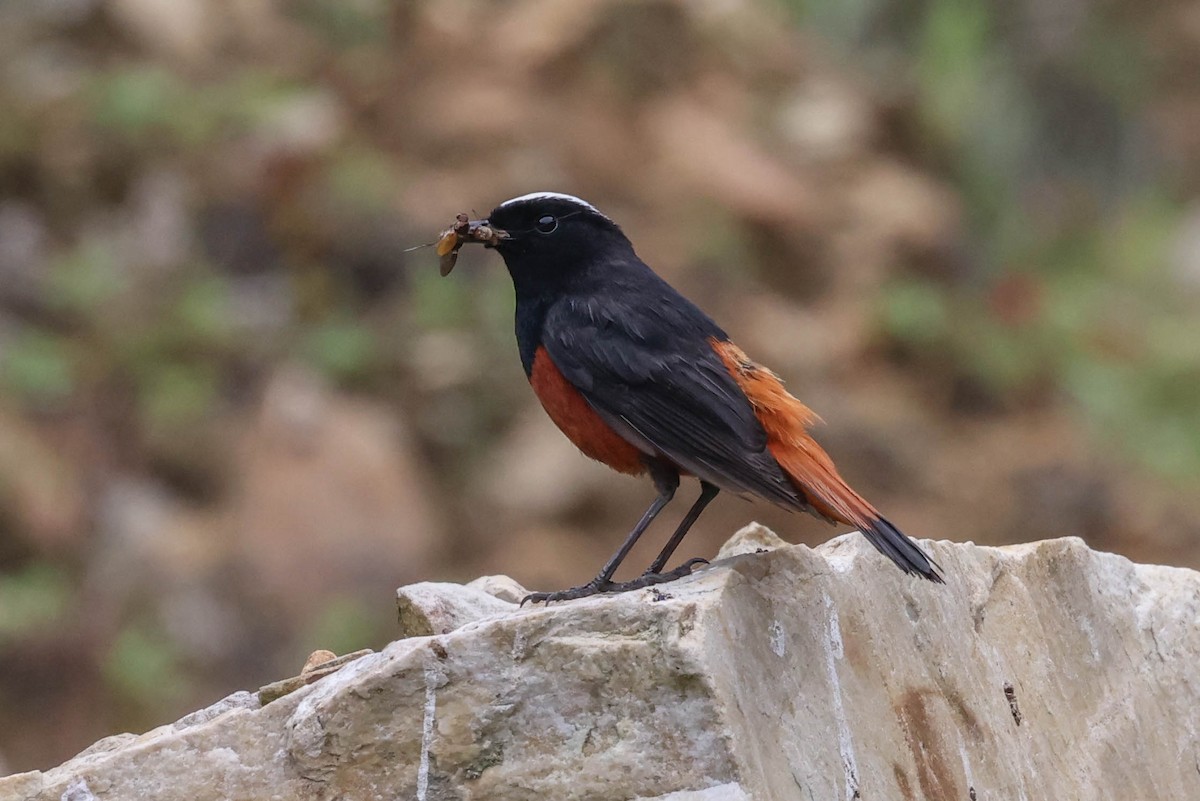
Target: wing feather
x=649 y=370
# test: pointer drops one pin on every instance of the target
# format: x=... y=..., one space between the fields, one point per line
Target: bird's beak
x=485 y=233
x=463 y=231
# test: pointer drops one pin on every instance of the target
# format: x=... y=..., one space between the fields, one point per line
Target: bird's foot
x=649 y=579
x=593 y=587
x=597 y=587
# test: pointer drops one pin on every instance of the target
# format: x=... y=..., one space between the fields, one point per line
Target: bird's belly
x=578 y=420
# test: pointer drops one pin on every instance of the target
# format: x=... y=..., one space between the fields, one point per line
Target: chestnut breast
x=571 y=412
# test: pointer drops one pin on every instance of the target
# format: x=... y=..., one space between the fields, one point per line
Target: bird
x=643 y=381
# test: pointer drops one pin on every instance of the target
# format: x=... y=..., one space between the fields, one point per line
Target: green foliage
x=916 y=311
x=1112 y=60
x=1073 y=295
x=346 y=23
x=202 y=312
x=362 y=179
x=32 y=599
x=38 y=368
x=341 y=348
x=953 y=63
x=437 y=302
x=134 y=101
x=144 y=665
x=845 y=21
x=18 y=133
x=494 y=299
x=144 y=104
x=176 y=393
x=1099 y=322
x=347 y=624
x=84 y=278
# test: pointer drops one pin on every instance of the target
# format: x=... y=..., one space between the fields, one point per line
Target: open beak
x=463 y=231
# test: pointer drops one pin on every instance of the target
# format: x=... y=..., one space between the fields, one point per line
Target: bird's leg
x=666 y=480
x=707 y=493
x=654 y=574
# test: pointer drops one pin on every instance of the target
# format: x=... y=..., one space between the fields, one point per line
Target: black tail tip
x=902 y=550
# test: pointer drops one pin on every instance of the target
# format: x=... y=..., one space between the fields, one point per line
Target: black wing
x=646 y=365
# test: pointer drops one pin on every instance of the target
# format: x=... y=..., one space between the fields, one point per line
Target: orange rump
x=786 y=420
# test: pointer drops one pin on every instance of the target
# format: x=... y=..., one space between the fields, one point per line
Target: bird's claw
x=593 y=587
x=650 y=579
x=596 y=587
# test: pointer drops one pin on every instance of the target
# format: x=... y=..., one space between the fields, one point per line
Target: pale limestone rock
x=22 y=785
x=1039 y=671
x=754 y=538
x=718 y=792
x=434 y=607
x=502 y=587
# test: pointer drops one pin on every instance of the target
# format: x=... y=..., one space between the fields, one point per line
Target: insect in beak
x=463 y=231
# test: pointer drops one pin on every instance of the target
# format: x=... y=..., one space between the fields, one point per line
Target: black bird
x=642 y=380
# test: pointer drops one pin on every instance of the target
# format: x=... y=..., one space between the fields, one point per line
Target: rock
x=502 y=587
x=1039 y=671
x=22 y=785
x=718 y=792
x=754 y=538
x=319 y=664
x=119 y=747
x=316 y=659
x=438 y=608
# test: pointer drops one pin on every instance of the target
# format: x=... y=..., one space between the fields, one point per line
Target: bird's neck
x=530 y=316
x=539 y=285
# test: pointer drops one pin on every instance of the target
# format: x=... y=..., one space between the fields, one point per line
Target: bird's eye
x=547 y=225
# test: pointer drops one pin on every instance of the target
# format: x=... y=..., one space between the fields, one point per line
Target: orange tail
x=809 y=467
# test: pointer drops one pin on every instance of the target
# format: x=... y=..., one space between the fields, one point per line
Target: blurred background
x=235 y=413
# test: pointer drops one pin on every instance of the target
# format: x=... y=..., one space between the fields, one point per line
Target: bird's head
x=546 y=237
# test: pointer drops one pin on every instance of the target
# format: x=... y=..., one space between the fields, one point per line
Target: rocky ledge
x=1042 y=671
